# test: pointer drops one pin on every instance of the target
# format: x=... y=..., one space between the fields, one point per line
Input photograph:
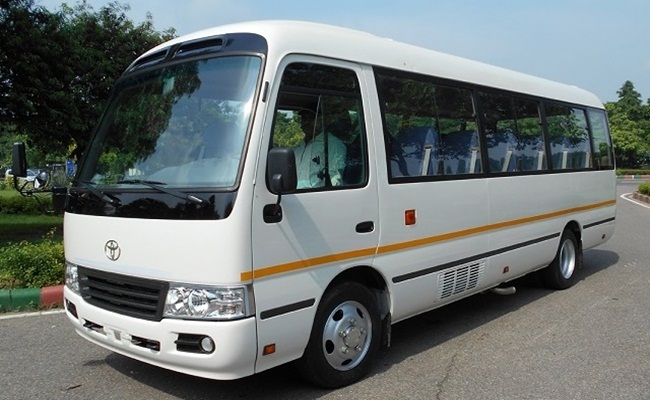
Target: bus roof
x=298 y=37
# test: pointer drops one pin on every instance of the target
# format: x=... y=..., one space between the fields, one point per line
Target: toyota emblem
x=112 y=250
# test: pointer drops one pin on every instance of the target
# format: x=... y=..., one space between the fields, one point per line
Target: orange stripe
x=348 y=255
x=300 y=264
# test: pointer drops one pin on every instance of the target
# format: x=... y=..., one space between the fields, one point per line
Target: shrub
x=644 y=188
x=633 y=172
x=32 y=265
x=24 y=205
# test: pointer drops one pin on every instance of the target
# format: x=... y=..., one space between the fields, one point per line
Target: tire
x=561 y=272
x=344 y=339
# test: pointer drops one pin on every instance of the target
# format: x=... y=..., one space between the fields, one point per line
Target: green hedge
x=32 y=265
x=644 y=188
x=24 y=205
x=633 y=172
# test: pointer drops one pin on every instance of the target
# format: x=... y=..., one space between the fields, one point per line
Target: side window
x=603 y=158
x=513 y=133
x=569 y=137
x=319 y=115
x=430 y=129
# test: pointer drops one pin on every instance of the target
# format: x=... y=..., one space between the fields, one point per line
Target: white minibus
x=268 y=192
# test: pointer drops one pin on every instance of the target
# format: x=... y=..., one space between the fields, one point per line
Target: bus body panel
x=536 y=209
x=286 y=318
x=598 y=234
x=201 y=252
x=446 y=214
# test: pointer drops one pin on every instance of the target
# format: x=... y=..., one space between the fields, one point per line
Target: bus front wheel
x=561 y=273
x=345 y=337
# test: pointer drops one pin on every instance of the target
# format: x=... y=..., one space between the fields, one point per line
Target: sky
x=593 y=44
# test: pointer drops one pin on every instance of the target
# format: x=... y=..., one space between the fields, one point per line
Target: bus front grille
x=135 y=297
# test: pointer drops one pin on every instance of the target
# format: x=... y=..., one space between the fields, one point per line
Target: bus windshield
x=182 y=125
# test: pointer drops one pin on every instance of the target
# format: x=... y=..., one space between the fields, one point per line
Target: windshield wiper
x=106 y=198
x=157 y=186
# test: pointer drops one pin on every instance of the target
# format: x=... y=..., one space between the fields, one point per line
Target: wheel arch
x=375 y=281
x=576 y=228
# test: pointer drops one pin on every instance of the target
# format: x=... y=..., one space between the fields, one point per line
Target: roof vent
x=149 y=60
x=198 y=47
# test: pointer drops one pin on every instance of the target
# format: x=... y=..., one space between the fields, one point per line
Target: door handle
x=365 y=227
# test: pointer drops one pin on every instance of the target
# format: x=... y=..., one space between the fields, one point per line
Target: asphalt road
x=589 y=342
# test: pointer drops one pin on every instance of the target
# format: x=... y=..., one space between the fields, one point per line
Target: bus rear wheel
x=561 y=273
x=345 y=337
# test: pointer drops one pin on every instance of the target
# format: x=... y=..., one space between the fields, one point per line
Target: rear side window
x=569 y=137
x=430 y=129
x=603 y=156
x=513 y=133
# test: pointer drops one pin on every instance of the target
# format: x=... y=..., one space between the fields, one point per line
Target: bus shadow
x=435 y=327
x=409 y=338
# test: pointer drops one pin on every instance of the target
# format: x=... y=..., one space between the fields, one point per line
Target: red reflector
x=409 y=217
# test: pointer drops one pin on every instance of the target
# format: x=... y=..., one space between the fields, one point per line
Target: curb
x=633 y=177
x=46 y=297
x=641 y=197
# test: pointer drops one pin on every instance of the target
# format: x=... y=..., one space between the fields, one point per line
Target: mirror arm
x=277 y=184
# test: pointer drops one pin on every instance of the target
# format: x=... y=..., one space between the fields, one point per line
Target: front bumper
x=154 y=342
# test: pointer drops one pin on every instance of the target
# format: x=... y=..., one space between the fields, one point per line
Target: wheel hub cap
x=347 y=335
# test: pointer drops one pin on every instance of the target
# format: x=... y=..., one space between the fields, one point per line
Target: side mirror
x=281 y=171
x=41 y=180
x=281 y=178
x=19 y=161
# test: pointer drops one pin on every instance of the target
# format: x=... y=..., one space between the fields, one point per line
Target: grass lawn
x=17 y=227
x=14 y=228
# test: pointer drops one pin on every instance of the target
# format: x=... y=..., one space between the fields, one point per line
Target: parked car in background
x=31 y=175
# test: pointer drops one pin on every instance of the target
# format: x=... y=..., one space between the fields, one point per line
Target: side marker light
x=268 y=349
x=409 y=217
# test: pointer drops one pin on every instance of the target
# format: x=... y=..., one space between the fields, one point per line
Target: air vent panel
x=457 y=280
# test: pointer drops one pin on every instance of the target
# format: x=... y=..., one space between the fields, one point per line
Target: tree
x=287 y=130
x=629 y=101
x=627 y=138
x=57 y=68
x=629 y=120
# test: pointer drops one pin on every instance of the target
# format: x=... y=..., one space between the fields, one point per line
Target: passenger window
x=603 y=158
x=569 y=137
x=430 y=130
x=513 y=133
x=319 y=115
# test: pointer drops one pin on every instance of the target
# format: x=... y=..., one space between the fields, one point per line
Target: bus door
x=331 y=222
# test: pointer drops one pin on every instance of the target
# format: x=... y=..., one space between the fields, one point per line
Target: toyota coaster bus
x=279 y=191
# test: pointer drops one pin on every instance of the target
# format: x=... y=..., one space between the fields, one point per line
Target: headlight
x=208 y=302
x=71 y=277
